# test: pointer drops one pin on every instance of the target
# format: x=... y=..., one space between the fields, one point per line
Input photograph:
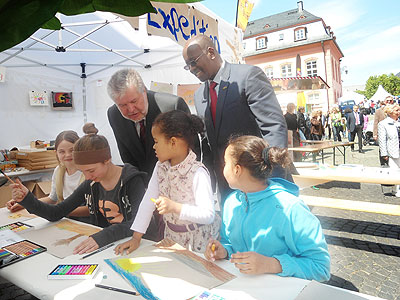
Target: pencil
x=5 y=175
x=110 y=288
x=98 y=250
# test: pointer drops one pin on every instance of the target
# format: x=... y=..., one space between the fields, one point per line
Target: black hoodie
x=130 y=194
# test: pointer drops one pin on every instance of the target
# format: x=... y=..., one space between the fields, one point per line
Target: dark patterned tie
x=142 y=133
x=214 y=98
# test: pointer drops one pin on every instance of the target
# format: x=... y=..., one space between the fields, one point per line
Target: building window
x=311 y=68
x=286 y=70
x=300 y=34
x=269 y=71
x=313 y=98
x=261 y=43
x=281 y=37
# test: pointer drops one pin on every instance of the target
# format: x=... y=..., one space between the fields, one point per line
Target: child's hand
x=255 y=263
x=166 y=206
x=86 y=246
x=128 y=246
x=19 y=191
x=13 y=206
x=215 y=251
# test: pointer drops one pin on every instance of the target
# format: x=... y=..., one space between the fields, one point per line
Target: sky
x=367 y=31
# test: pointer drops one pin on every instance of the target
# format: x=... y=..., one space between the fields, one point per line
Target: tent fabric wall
x=22 y=122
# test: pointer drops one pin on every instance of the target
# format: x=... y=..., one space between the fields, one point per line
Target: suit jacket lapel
x=153 y=112
x=222 y=92
x=210 y=130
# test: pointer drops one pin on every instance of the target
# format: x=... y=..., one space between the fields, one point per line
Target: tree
x=19 y=19
x=390 y=83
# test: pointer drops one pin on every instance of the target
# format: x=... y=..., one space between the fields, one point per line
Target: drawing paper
x=61 y=238
x=168 y=271
x=316 y=290
x=8 y=237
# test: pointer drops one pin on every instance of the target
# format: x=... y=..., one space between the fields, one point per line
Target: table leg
x=344 y=155
x=323 y=156
x=334 y=156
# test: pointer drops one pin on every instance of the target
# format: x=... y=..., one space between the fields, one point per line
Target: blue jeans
x=336 y=133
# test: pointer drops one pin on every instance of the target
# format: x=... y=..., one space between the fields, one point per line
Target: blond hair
x=390 y=108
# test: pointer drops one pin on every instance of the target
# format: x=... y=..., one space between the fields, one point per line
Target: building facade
x=296 y=45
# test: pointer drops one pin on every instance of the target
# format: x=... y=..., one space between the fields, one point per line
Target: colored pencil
x=5 y=175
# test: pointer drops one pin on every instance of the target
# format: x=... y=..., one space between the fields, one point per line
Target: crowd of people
x=175 y=162
x=346 y=125
x=335 y=124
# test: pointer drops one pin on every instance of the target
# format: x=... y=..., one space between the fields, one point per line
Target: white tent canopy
x=102 y=43
x=380 y=94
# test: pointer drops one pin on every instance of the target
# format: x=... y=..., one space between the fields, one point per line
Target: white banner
x=180 y=22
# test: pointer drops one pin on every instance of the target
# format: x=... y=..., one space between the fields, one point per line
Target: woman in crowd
x=388 y=135
x=336 y=119
x=316 y=125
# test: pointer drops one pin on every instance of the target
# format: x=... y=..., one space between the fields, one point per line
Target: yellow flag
x=301 y=99
x=244 y=10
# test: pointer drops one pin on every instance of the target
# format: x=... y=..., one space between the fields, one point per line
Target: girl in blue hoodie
x=266 y=227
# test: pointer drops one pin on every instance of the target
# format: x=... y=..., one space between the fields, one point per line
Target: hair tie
x=265 y=157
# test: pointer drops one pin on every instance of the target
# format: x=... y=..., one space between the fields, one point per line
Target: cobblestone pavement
x=364 y=247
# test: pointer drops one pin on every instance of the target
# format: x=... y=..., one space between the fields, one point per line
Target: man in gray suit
x=131 y=118
x=234 y=100
x=355 y=124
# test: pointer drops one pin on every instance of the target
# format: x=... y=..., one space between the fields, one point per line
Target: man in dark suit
x=355 y=124
x=131 y=118
x=234 y=100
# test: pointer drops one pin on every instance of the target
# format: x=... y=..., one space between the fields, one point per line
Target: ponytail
x=254 y=154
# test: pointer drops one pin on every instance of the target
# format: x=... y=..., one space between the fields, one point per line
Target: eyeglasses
x=193 y=63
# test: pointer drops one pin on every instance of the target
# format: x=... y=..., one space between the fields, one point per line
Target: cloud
x=338 y=14
x=375 y=55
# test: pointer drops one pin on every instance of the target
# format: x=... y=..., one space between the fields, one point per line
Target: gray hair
x=123 y=79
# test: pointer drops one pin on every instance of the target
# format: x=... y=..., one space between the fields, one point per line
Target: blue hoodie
x=276 y=223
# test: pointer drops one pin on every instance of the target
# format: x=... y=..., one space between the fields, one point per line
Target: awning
x=298 y=83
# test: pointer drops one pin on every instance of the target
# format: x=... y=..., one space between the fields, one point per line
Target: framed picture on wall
x=61 y=100
x=38 y=98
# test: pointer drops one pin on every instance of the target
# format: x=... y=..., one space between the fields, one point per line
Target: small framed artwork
x=61 y=100
x=38 y=98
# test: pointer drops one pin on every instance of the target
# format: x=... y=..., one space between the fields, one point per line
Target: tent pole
x=24 y=48
x=104 y=47
x=83 y=76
